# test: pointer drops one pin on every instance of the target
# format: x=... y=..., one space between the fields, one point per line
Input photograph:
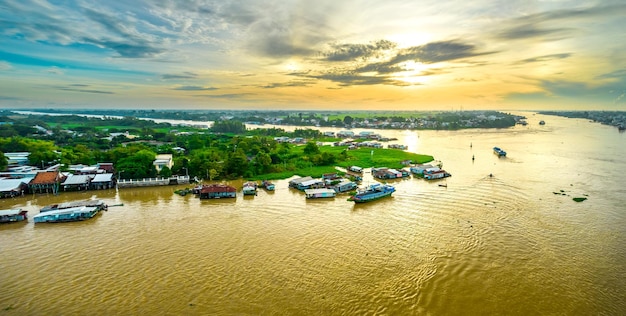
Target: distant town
x=613 y=118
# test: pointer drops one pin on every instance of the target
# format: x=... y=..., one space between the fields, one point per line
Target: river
x=514 y=243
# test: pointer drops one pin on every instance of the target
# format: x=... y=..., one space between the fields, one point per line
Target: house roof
x=46 y=177
x=103 y=177
x=76 y=179
x=11 y=184
x=213 y=188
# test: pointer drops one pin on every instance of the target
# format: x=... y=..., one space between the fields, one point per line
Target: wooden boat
x=373 y=192
x=72 y=214
x=12 y=215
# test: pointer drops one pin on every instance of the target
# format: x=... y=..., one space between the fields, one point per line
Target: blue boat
x=268 y=185
x=499 y=152
x=13 y=215
x=373 y=192
x=72 y=214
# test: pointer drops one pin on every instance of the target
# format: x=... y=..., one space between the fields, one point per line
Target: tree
x=311 y=148
x=348 y=120
x=165 y=172
x=4 y=161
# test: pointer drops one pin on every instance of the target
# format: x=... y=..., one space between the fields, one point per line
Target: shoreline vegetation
x=221 y=146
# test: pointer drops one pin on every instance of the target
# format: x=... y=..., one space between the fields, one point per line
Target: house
x=102 y=181
x=13 y=187
x=46 y=182
x=294 y=183
x=216 y=191
x=344 y=185
x=17 y=158
x=311 y=184
x=76 y=182
x=419 y=169
x=163 y=160
x=345 y=134
x=105 y=167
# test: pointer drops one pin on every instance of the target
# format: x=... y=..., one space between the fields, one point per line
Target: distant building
x=163 y=160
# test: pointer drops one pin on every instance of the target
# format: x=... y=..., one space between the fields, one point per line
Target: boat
x=319 y=193
x=372 y=192
x=499 y=151
x=249 y=188
x=12 y=215
x=72 y=214
x=267 y=185
x=542 y=122
x=61 y=206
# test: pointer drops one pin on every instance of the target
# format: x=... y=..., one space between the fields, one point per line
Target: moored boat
x=249 y=188
x=319 y=193
x=99 y=204
x=72 y=214
x=373 y=192
x=268 y=185
x=499 y=151
x=12 y=215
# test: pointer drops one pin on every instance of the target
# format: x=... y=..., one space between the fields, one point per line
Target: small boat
x=443 y=185
x=249 y=188
x=72 y=214
x=372 y=192
x=12 y=215
x=61 y=206
x=319 y=193
x=500 y=152
x=268 y=185
x=542 y=122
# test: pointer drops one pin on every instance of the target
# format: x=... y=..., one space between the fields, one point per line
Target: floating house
x=311 y=184
x=76 y=182
x=294 y=183
x=67 y=215
x=319 y=193
x=344 y=186
x=217 y=191
x=439 y=174
x=102 y=181
x=386 y=173
x=99 y=204
x=46 y=182
x=14 y=215
x=249 y=188
x=420 y=169
x=13 y=187
x=268 y=185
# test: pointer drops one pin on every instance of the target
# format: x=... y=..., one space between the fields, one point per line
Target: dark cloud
x=550 y=25
x=136 y=48
x=381 y=68
x=194 y=88
x=544 y=58
x=533 y=31
x=85 y=90
x=224 y=96
x=438 y=52
x=293 y=83
x=347 y=52
x=618 y=74
x=184 y=75
x=355 y=79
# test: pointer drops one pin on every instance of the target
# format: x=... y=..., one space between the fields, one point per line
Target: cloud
x=354 y=79
x=617 y=74
x=224 y=96
x=544 y=58
x=184 y=75
x=348 y=52
x=4 y=65
x=550 y=25
x=293 y=83
x=438 y=52
x=194 y=88
x=54 y=70
x=76 y=88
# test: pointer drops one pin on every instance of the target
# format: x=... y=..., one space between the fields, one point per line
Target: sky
x=319 y=55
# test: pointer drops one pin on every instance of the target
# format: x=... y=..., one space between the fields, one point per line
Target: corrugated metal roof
x=76 y=179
